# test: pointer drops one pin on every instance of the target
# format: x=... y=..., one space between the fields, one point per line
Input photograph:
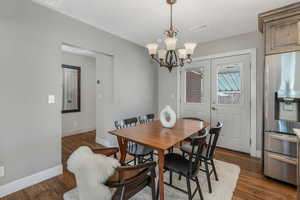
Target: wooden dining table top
x=154 y=135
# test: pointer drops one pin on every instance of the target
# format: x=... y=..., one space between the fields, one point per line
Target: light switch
x=2 y=173
x=51 y=99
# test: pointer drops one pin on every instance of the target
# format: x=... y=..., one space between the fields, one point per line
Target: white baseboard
x=28 y=181
x=103 y=142
x=74 y=132
x=258 y=154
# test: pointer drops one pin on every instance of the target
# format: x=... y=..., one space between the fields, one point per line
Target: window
x=194 y=86
x=229 y=85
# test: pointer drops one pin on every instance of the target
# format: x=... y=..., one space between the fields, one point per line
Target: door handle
x=213 y=108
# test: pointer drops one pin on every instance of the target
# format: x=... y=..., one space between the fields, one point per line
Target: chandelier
x=171 y=57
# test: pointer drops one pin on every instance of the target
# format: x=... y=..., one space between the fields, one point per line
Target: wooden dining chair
x=138 y=151
x=207 y=156
x=125 y=182
x=187 y=167
x=129 y=180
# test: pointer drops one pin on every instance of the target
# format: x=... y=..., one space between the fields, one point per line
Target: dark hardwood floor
x=252 y=185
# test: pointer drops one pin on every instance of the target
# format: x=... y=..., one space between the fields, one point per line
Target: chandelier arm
x=189 y=59
x=181 y=62
x=155 y=59
x=176 y=59
x=167 y=58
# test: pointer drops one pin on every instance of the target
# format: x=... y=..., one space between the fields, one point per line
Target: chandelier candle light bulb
x=182 y=53
x=171 y=44
x=171 y=57
x=190 y=47
x=152 y=48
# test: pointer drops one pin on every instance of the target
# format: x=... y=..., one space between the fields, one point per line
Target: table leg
x=123 y=145
x=161 y=163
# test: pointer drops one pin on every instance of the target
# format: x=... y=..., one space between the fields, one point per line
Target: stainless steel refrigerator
x=281 y=116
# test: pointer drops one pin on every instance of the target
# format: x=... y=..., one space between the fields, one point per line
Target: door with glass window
x=230 y=101
x=195 y=90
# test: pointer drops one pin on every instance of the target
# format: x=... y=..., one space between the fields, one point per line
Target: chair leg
x=123 y=193
x=208 y=176
x=157 y=189
x=153 y=187
x=171 y=177
x=179 y=178
x=188 y=183
x=152 y=159
x=199 y=188
x=134 y=160
x=214 y=169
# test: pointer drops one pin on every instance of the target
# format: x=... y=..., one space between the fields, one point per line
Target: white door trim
x=253 y=124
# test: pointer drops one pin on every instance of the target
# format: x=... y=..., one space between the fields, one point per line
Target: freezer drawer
x=280 y=167
x=281 y=143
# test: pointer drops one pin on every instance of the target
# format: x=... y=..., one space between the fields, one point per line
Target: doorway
x=219 y=89
x=78 y=90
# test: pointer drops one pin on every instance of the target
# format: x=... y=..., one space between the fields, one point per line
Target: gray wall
x=30 y=60
x=168 y=84
x=85 y=120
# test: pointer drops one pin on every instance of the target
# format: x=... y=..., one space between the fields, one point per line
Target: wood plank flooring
x=252 y=185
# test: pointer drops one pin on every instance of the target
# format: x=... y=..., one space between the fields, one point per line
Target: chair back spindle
x=214 y=134
x=142 y=119
x=198 y=143
x=130 y=122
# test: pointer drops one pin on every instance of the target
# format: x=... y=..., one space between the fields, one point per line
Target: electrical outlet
x=2 y=172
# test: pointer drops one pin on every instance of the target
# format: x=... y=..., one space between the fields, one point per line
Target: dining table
x=161 y=139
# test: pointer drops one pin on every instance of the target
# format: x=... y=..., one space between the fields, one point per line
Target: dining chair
x=208 y=153
x=130 y=180
x=146 y=118
x=150 y=117
x=125 y=181
x=138 y=151
x=187 y=167
x=142 y=119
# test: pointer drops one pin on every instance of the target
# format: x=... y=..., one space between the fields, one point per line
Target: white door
x=195 y=90
x=230 y=95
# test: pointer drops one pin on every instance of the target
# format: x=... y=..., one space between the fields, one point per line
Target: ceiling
x=144 y=21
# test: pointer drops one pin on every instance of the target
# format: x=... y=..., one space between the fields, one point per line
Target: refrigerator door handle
x=285 y=138
x=282 y=159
